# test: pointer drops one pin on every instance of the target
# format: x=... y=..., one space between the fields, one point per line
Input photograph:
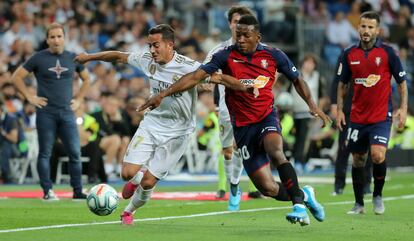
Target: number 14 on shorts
x=352 y=134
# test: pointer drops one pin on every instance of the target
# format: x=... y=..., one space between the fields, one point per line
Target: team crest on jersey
x=152 y=69
x=378 y=61
x=175 y=78
x=264 y=63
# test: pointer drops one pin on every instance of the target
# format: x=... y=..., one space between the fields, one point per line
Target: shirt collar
x=260 y=46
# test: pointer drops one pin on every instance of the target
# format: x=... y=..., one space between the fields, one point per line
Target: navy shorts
x=249 y=140
x=360 y=137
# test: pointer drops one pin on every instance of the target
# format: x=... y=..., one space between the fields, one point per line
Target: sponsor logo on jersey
x=259 y=82
x=355 y=62
x=339 y=69
x=238 y=61
x=370 y=81
x=378 y=61
x=264 y=63
x=402 y=73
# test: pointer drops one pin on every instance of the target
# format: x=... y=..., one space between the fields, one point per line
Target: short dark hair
x=371 y=15
x=242 y=10
x=165 y=30
x=250 y=20
x=54 y=26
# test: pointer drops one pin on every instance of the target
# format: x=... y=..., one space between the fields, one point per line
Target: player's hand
x=74 y=104
x=81 y=58
x=152 y=103
x=253 y=90
x=37 y=101
x=216 y=78
x=340 y=120
x=401 y=115
x=316 y=112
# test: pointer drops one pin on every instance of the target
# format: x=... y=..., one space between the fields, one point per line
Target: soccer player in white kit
x=163 y=134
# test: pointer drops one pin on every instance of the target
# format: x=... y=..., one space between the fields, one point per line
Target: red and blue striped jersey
x=258 y=68
x=371 y=71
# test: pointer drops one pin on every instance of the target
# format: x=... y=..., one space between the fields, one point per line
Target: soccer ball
x=102 y=199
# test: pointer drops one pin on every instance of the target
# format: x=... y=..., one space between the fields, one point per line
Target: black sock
x=234 y=188
x=290 y=181
x=379 y=171
x=358 y=181
x=282 y=195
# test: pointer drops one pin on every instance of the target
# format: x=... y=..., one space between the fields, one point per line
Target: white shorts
x=159 y=154
x=226 y=133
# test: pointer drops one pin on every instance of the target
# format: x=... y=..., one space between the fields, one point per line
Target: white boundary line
x=189 y=216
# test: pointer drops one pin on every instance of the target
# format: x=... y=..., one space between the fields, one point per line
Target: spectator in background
x=133 y=117
x=8 y=138
x=88 y=132
x=113 y=133
x=340 y=33
x=54 y=70
x=353 y=15
x=399 y=28
x=11 y=101
x=302 y=117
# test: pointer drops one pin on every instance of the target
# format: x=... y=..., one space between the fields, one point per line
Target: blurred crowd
x=116 y=91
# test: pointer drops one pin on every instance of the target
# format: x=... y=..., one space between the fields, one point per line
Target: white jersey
x=176 y=114
x=223 y=111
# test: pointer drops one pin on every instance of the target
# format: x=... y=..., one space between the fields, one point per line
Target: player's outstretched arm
x=186 y=82
x=233 y=83
x=303 y=90
x=340 y=118
x=401 y=113
x=107 y=56
x=17 y=79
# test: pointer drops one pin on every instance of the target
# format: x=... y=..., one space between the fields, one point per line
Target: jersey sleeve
x=135 y=59
x=343 y=72
x=395 y=64
x=30 y=64
x=284 y=65
x=218 y=61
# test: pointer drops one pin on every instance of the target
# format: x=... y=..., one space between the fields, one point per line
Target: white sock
x=228 y=168
x=237 y=168
x=139 y=198
x=137 y=178
x=109 y=168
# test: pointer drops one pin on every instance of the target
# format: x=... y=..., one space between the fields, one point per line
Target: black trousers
x=301 y=146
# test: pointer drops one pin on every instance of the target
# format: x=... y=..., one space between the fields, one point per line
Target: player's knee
x=359 y=160
x=148 y=183
x=377 y=157
x=277 y=156
x=228 y=153
x=268 y=190
x=127 y=173
x=126 y=176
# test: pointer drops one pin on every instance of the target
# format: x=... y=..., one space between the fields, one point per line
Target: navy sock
x=234 y=188
x=290 y=182
x=282 y=195
x=379 y=171
x=358 y=181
